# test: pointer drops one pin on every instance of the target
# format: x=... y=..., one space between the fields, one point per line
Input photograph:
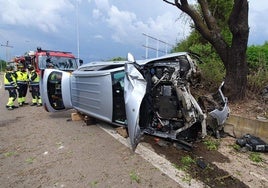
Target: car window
x=61 y=63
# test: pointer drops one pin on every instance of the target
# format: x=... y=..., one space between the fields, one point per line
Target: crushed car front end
x=167 y=108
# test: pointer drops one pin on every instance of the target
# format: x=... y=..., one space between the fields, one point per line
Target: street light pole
x=77 y=30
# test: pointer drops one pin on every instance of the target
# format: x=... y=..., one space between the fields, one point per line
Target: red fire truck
x=42 y=59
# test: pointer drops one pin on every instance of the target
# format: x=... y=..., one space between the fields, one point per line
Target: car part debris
x=252 y=143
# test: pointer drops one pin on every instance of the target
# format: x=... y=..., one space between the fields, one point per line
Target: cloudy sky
x=105 y=28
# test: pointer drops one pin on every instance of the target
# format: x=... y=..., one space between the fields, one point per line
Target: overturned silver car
x=146 y=96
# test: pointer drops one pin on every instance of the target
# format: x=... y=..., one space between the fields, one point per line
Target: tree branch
x=208 y=29
x=209 y=18
x=176 y=3
x=238 y=20
x=197 y=19
x=168 y=2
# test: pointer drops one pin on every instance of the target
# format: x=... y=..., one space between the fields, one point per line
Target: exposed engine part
x=175 y=108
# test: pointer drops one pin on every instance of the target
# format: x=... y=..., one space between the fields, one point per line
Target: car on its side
x=149 y=96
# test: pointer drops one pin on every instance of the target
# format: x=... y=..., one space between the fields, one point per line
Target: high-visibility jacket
x=22 y=77
x=34 y=78
x=10 y=80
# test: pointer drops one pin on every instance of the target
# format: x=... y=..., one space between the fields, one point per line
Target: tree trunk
x=236 y=75
x=235 y=63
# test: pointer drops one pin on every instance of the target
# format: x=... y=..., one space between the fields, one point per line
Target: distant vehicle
x=42 y=59
x=147 y=97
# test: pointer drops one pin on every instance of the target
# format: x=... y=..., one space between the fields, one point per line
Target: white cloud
x=120 y=22
x=96 y=13
x=168 y=27
x=126 y=28
x=46 y=16
x=98 y=37
x=102 y=4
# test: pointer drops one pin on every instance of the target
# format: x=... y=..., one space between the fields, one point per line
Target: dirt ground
x=40 y=149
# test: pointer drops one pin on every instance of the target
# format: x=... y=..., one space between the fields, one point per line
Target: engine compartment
x=163 y=106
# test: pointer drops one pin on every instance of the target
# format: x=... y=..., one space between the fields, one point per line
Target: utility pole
x=6 y=46
x=77 y=30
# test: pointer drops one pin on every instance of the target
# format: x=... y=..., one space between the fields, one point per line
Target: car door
x=134 y=91
x=55 y=90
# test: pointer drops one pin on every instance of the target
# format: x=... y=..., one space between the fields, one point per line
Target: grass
x=94 y=183
x=236 y=147
x=9 y=154
x=187 y=161
x=212 y=144
x=255 y=157
x=30 y=160
x=59 y=143
x=134 y=177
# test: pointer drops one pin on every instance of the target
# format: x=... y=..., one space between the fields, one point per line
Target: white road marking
x=159 y=162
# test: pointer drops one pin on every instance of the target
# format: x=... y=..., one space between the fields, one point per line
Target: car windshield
x=56 y=62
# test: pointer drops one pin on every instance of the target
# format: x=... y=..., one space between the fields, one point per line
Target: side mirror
x=130 y=58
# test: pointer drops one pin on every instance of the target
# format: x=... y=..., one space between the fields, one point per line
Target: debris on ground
x=252 y=143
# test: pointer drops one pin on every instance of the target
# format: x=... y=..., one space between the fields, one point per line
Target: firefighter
x=34 y=79
x=10 y=86
x=22 y=81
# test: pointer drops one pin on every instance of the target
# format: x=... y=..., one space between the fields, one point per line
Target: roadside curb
x=238 y=126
